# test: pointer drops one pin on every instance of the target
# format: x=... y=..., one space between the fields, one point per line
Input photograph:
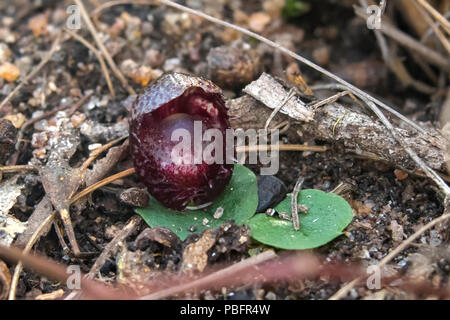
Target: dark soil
x=377 y=196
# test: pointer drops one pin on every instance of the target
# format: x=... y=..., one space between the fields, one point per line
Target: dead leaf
x=40 y=214
x=10 y=227
x=104 y=165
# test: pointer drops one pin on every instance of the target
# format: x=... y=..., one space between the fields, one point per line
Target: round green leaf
x=327 y=216
x=239 y=202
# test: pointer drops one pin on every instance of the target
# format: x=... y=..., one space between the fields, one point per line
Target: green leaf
x=239 y=202
x=327 y=216
x=295 y=8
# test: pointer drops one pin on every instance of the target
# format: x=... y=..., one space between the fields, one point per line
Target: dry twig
x=214 y=277
x=48 y=56
x=294 y=206
x=99 y=58
x=445 y=24
x=113 y=246
x=102 y=48
x=402 y=246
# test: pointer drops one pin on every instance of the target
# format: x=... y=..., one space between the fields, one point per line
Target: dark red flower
x=178 y=177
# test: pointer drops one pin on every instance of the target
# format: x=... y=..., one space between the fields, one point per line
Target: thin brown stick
x=112 y=247
x=18 y=269
x=294 y=206
x=433 y=26
x=396 y=65
x=102 y=48
x=290 y=53
x=430 y=173
x=96 y=12
x=344 y=290
x=102 y=183
x=406 y=40
x=217 y=276
x=52 y=270
x=99 y=58
x=282 y=147
x=48 y=56
x=289 y=95
x=36 y=235
x=23 y=167
x=97 y=152
x=444 y=23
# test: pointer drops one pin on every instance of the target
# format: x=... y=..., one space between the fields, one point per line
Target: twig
x=54 y=271
x=112 y=247
x=290 y=53
x=294 y=206
x=335 y=86
x=17 y=168
x=409 y=42
x=49 y=219
x=289 y=95
x=99 y=151
x=430 y=31
x=282 y=147
x=344 y=290
x=102 y=48
x=99 y=58
x=338 y=121
x=43 y=62
x=420 y=163
x=102 y=183
x=96 y=12
x=433 y=26
x=396 y=65
x=18 y=269
x=445 y=24
x=334 y=98
x=214 y=277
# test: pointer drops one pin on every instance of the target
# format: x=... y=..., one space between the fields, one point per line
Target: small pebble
x=94 y=146
x=136 y=197
x=9 y=72
x=271 y=191
x=258 y=21
x=218 y=214
x=271 y=296
x=397 y=231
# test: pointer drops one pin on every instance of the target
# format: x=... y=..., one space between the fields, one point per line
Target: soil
x=379 y=198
